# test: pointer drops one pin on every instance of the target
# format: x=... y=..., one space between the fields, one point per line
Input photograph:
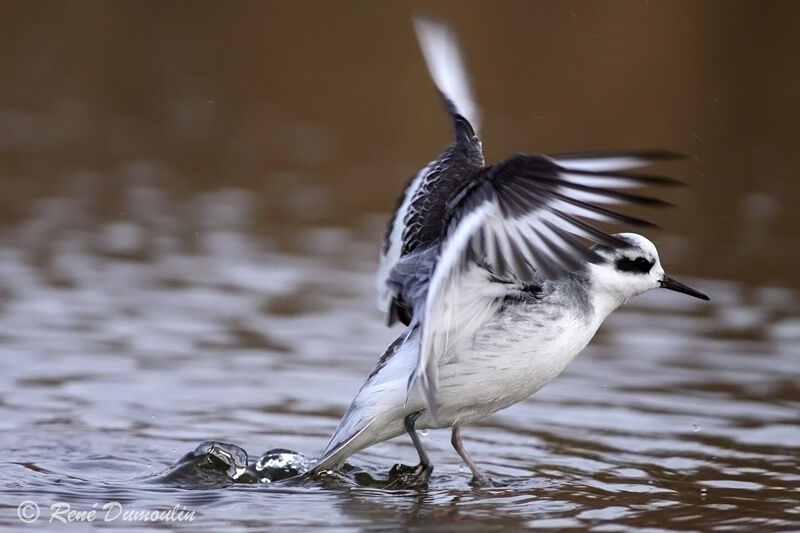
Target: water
x=680 y=412
x=187 y=254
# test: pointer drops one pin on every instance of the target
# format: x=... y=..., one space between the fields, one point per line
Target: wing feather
x=605 y=162
x=519 y=222
x=418 y=219
x=446 y=66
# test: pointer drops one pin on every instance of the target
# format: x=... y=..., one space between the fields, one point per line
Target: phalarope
x=482 y=265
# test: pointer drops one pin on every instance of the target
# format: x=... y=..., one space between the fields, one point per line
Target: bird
x=497 y=273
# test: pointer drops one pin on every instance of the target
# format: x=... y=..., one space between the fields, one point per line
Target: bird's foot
x=403 y=476
x=423 y=472
x=483 y=482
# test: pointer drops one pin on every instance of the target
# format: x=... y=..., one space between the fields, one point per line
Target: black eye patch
x=639 y=265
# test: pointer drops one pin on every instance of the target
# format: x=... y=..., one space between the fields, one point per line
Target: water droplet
x=423 y=432
x=695 y=428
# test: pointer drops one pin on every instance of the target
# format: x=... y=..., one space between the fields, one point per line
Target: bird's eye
x=639 y=265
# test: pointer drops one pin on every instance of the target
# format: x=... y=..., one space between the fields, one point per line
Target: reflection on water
x=126 y=344
x=192 y=200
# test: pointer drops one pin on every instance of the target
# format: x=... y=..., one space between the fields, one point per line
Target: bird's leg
x=424 y=468
x=477 y=477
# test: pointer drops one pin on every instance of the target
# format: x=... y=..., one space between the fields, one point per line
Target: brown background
x=323 y=109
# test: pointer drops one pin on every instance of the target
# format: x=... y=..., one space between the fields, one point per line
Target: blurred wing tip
x=659 y=155
x=605 y=162
x=664 y=181
x=651 y=156
x=651 y=202
x=425 y=24
x=442 y=53
x=642 y=223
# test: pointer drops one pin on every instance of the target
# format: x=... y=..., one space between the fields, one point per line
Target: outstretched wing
x=446 y=66
x=520 y=221
x=418 y=218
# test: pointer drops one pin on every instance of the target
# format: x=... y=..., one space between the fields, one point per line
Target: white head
x=632 y=270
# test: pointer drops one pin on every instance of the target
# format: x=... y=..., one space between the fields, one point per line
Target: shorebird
x=484 y=266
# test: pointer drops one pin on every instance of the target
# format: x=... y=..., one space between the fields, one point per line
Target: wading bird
x=484 y=266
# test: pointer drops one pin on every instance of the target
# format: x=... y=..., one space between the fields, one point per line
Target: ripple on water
x=115 y=362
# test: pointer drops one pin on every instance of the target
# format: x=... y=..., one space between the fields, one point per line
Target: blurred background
x=317 y=112
x=193 y=199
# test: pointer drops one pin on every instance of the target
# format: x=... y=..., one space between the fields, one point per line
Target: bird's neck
x=606 y=294
x=604 y=303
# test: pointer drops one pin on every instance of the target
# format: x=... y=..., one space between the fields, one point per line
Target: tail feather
x=376 y=430
x=334 y=457
x=377 y=412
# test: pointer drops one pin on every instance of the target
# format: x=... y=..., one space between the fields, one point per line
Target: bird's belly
x=508 y=359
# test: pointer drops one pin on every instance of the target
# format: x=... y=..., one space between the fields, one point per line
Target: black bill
x=677 y=286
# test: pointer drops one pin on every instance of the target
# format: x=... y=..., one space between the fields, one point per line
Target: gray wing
x=519 y=221
x=533 y=206
x=418 y=219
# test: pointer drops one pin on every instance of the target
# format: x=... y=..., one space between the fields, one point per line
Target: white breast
x=512 y=356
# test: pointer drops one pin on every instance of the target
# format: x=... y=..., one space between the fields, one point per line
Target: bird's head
x=631 y=270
